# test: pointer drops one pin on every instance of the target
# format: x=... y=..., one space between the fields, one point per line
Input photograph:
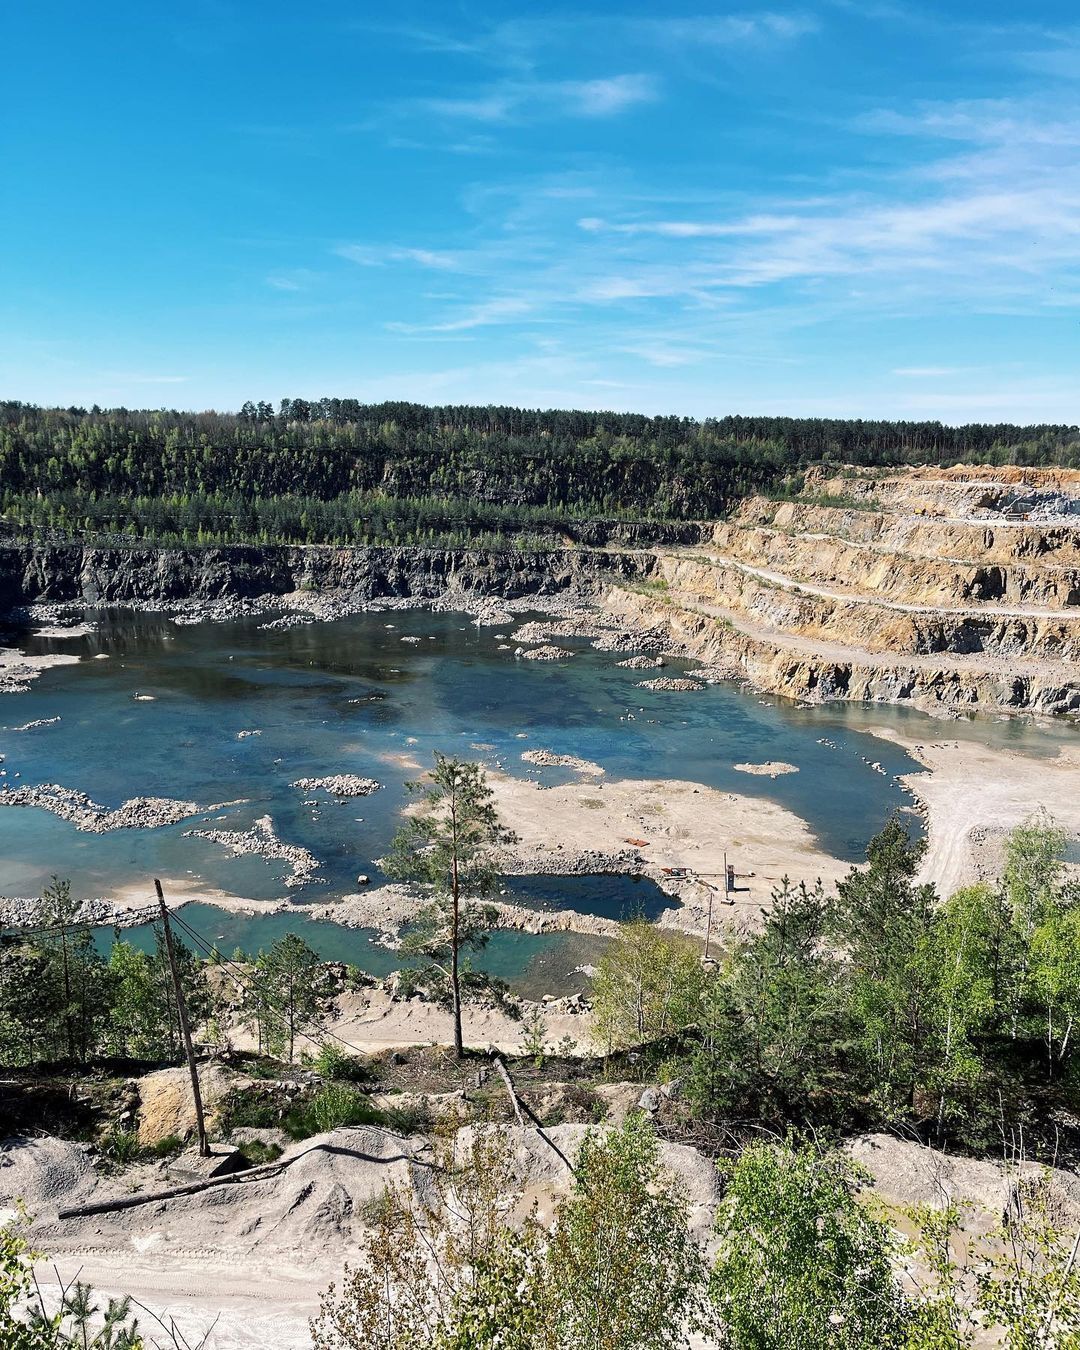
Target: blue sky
x=842 y=208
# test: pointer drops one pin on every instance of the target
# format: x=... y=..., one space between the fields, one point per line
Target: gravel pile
x=548 y=760
x=138 y=813
x=547 y=653
x=675 y=685
x=262 y=842
x=339 y=785
x=641 y=662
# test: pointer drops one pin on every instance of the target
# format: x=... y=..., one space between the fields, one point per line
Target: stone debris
x=653 y=641
x=715 y=674
x=262 y=842
x=339 y=785
x=531 y=632
x=772 y=768
x=287 y=621
x=138 y=813
x=674 y=685
x=548 y=760
x=547 y=653
x=29 y=912
x=641 y=662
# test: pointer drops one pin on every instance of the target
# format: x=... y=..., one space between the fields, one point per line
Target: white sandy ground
x=974 y=795
x=18 y=668
x=682 y=825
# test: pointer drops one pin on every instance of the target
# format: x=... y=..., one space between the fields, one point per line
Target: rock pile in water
x=548 y=760
x=138 y=813
x=641 y=662
x=339 y=785
x=261 y=841
x=675 y=685
x=548 y=653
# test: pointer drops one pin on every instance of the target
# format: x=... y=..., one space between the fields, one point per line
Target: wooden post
x=185 y=1029
x=708 y=924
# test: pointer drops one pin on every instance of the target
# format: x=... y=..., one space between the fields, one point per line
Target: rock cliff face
x=921 y=587
x=133 y=576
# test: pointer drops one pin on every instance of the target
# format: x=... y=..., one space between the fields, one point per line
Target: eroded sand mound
x=308 y=1205
x=45 y=1175
x=312 y=1205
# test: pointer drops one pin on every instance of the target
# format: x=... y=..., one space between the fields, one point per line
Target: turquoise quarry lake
x=351 y=696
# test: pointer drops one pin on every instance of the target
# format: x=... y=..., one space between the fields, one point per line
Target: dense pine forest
x=338 y=471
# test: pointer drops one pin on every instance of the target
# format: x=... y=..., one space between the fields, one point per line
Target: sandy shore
x=371 y=1020
x=17 y=668
x=184 y=891
x=974 y=795
x=681 y=825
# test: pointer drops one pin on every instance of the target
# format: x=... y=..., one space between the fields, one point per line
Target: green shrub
x=239 y=1108
x=414 y=1119
x=336 y=1065
x=333 y=1108
x=121 y=1146
x=258 y=1152
x=165 y=1148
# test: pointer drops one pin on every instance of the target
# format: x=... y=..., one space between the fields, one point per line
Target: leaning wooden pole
x=185 y=1029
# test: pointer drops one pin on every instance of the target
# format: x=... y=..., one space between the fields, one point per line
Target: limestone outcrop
x=955 y=588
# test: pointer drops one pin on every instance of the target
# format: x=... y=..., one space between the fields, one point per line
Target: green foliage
x=800 y=1263
x=54 y=987
x=289 y=997
x=619 y=1271
x=450 y=845
x=648 y=984
x=534 y=1030
x=338 y=1065
x=121 y=1146
x=259 y=1152
x=60 y=999
x=167 y=1147
x=338 y=471
x=74 y=1320
x=442 y=1274
x=1016 y=1285
x=884 y=921
x=143 y=1021
x=241 y=1108
x=878 y=1004
x=624 y=1272
x=332 y=1108
x=772 y=1020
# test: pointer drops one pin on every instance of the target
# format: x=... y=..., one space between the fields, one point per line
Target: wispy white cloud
x=994 y=218
x=378 y=255
x=293 y=279
x=501 y=309
x=727 y=30
x=518 y=100
x=927 y=372
x=523 y=44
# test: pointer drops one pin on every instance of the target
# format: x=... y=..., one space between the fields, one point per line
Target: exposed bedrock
x=859 y=620
x=121 y=576
x=800 y=670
